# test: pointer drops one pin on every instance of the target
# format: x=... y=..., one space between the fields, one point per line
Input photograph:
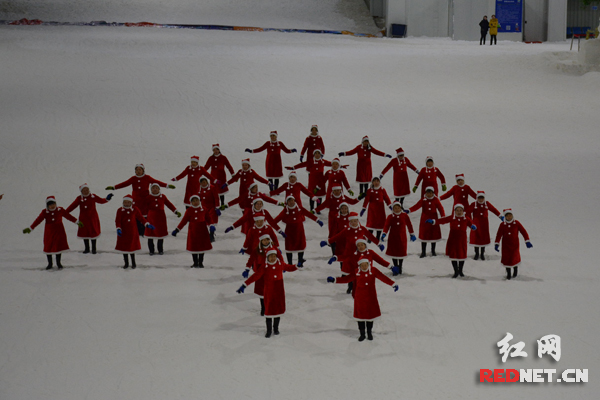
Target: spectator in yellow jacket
x=494 y=25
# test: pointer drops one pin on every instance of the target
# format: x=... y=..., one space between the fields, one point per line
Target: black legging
x=58 y=264
x=493 y=39
x=86 y=243
x=363 y=188
x=274 y=183
x=377 y=234
x=291 y=255
x=198 y=260
x=483 y=36
x=125 y=258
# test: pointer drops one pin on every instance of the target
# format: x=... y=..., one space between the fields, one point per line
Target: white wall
x=557 y=20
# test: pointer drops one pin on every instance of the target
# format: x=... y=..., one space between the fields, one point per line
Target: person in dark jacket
x=485 y=26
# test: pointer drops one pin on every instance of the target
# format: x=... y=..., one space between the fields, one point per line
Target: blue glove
x=396 y=270
x=413 y=238
x=391 y=207
x=381 y=177
x=119 y=232
x=109 y=196
x=300 y=264
x=282 y=233
x=218 y=212
x=224 y=186
x=330 y=279
x=473 y=227
x=429 y=221
x=529 y=245
x=248 y=151
x=395 y=287
x=175 y=232
x=150 y=226
x=388 y=155
x=241 y=289
x=246 y=273
x=340 y=154
x=294 y=151
x=383 y=237
x=229 y=229
x=323 y=243
x=242 y=251
x=212 y=229
x=362 y=212
x=320 y=223
x=406 y=211
x=301 y=158
x=497 y=247
x=381 y=247
x=502 y=218
x=332 y=260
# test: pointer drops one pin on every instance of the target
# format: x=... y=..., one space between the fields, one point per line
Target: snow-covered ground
x=86 y=104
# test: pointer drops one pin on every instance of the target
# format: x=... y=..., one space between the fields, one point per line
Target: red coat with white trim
x=508 y=233
x=336 y=178
x=140 y=189
x=350 y=263
x=55 y=237
x=456 y=245
x=253 y=235
x=364 y=170
x=245 y=201
x=294 y=189
x=340 y=223
x=247 y=220
x=316 y=177
x=246 y=178
x=429 y=177
x=294 y=218
x=273 y=166
x=257 y=261
x=217 y=165
x=129 y=241
x=193 y=183
x=349 y=236
x=395 y=228
x=157 y=217
x=366 y=305
x=88 y=215
x=429 y=233
x=333 y=203
x=198 y=239
x=460 y=194
x=312 y=143
x=209 y=198
x=401 y=181
x=274 y=290
x=479 y=214
x=376 y=201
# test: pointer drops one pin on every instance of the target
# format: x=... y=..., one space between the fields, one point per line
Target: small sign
x=594 y=8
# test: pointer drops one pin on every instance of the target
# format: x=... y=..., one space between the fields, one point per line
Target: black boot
x=400 y=262
x=151 y=246
x=289 y=257
x=371 y=232
x=200 y=260
x=332 y=245
x=482 y=255
x=515 y=271
x=86 y=244
x=269 y=327
x=126 y=258
x=222 y=197
x=212 y=236
x=262 y=307
x=93 y=246
x=476 y=253
x=395 y=260
x=423 y=249
x=455 y=267
x=49 y=257
x=433 y=254
x=312 y=204
x=141 y=228
x=276 y=184
x=195 y=258
x=402 y=203
x=461 y=264
x=349 y=290
x=276 y=326
x=508 y=273
x=370 y=330
x=133 y=266
x=58 y=264
x=361 y=329
x=159 y=246
x=301 y=259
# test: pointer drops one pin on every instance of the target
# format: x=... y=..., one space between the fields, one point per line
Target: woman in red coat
x=364 y=170
x=316 y=178
x=258 y=229
x=479 y=211
x=456 y=245
x=194 y=172
x=246 y=176
x=273 y=167
x=312 y=142
x=428 y=233
x=294 y=188
x=198 y=240
x=156 y=216
x=216 y=164
x=400 y=165
x=246 y=200
x=128 y=240
x=88 y=216
x=459 y=192
x=336 y=177
x=293 y=217
x=395 y=228
x=55 y=237
x=274 y=291
x=429 y=176
x=508 y=233
x=209 y=199
x=366 y=306
x=256 y=261
x=333 y=202
x=247 y=220
x=140 y=186
x=376 y=200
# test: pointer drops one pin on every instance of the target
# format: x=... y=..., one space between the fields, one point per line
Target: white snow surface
x=82 y=104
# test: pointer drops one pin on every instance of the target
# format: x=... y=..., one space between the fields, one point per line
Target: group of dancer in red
x=143 y=214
